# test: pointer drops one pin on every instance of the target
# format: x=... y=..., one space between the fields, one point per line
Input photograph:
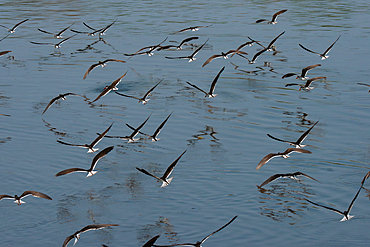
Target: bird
x=199 y=243
x=102 y=30
x=2 y=53
x=192 y=56
x=12 y=30
x=150 y=50
x=345 y=214
x=298 y=143
x=286 y=175
x=91 y=146
x=165 y=180
x=76 y=235
x=213 y=85
x=284 y=154
x=268 y=48
x=109 y=88
x=306 y=86
x=102 y=64
x=248 y=43
x=303 y=74
x=56 y=46
x=87 y=33
x=144 y=99
x=195 y=28
x=131 y=138
x=323 y=55
x=178 y=47
x=274 y=17
x=364 y=84
x=224 y=55
x=56 y=35
x=151 y=241
x=60 y=96
x=156 y=132
x=18 y=199
x=89 y=171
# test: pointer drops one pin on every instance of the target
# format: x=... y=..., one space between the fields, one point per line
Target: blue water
x=216 y=178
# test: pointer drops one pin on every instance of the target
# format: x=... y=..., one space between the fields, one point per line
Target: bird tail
x=89 y=174
x=166 y=182
x=91 y=150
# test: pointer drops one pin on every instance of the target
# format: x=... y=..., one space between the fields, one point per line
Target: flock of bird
x=165 y=178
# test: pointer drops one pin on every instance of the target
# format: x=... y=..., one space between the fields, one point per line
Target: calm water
x=216 y=179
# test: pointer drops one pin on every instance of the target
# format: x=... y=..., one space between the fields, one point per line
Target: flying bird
x=224 y=55
x=60 y=96
x=306 y=86
x=196 y=28
x=274 y=17
x=192 y=56
x=284 y=154
x=286 y=175
x=102 y=64
x=144 y=99
x=302 y=76
x=178 y=47
x=298 y=143
x=131 y=138
x=212 y=88
x=56 y=35
x=18 y=199
x=57 y=45
x=150 y=50
x=12 y=30
x=323 y=55
x=165 y=180
x=76 y=235
x=156 y=132
x=102 y=30
x=199 y=243
x=91 y=146
x=364 y=84
x=109 y=88
x=89 y=171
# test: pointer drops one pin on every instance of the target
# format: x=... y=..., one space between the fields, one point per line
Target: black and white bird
x=131 y=138
x=12 y=30
x=89 y=171
x=192 y=56
x=101 y=31
x=224 y=55
x=284 y=154
x=164 y=179
x=102 y=64
x=209 y=94
x=18 y=199
x=274 y=17
x=178 y=47
x=345 y=214
x=144 y=99
x=302 y=76
x=56 y=35
x=90 y=146
x=323 y=55
x=149 y=49
x=195 y=28
x=286 y=175
x=109 y=88
x=76 y=235
x=199 y=243
x=60 y=96
x=57 y=45
x=307 y=86
x=364 y=84
x=298 y=143
x=156 y=132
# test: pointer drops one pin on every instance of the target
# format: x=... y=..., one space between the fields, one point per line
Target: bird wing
x=115 y=83
x=305 y=70
x=19 y=23
x=261 y=20
x=303 y=174
x=44 y=31
x=67 y=240
x=182 y=30
x=169 y=170
x=308 y=50
x=70 y=144
x=292 y=84
x=279 y=139
x=364 y=84
x=100 y=137
x=187 y=40
x=213 y=85
x=198 y=49
x=156 y=132
x=70 y=170
x=128 y=95
x=304 y=135
x=298 y=150
x=332 y=209
x=95 y=227
x=100 y=155
x=266 y=159
x=64 y=40
x=63 y=30
x=273 y=41
x=274 y=17
x=151 y=241
x=38 y=43
x=147 y=173
x=257 y=54
x=210 y=59
x=272 y=178
x=309 y=81
x=151 y=90
x=89 y=69
x=139 y=131
x=197 y=88
x=50 y=103
x=6 y=197
x=35 y=194
x=353 y=200
x=288 y=75
x=228 y=223
x=134 y=133
x=88 y=26
x=331 y=46
x=2 y=53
